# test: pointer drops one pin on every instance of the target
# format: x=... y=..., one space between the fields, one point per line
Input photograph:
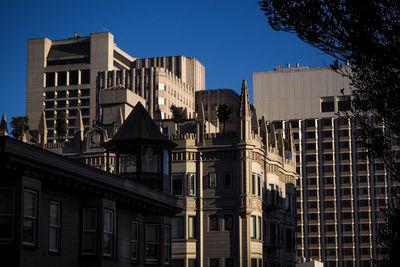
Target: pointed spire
x=272 y=135
x=79 y=125
x=201 y=112
x=245 y=113
x=244 y=99
x=264 y=132
x=3 y=126
x=42 y=129
x=254 y=123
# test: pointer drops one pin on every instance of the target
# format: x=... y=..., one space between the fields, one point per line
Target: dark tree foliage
x=61 y=125
x=365 y=35
x=224 y=114
x=178 y=115
x=20 y=126
x=34 y=136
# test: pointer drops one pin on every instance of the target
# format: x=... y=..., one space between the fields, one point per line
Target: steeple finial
x=245 y=113
x=3 y=126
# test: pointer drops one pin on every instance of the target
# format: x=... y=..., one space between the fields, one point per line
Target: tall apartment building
x=341 y=189
x=68 y=75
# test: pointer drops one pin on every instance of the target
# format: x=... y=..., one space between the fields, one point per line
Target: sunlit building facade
x=341 y=190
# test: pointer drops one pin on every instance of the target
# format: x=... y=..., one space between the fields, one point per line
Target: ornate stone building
x=235 y=183
x=236 y=189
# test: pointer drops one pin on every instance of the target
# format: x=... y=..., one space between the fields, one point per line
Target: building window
x=89 y=231
x=6 y=214
x=227 y=179
x=167 y=244
x=344 y=103
x=30 y=218
x=178 y=228
x=214 y=262
x=191 y=184
x=55 y=226
x=228 y=262
x=253 y=184
x=253 y=227
x=259 y=228
x=259 y=190
x=214 y=225
x=192 y=227
x=327 y=104
x=212 y=176
x=134 y=241
x=177 y=184
x=50 y=79
x=73 y=77
x=161 y=87
x=152 y=243
x=192 y=263
x=178 y=262
x=161 y=101
x=61 y=78
x=108 y=233
x=85 y=76
x=228 y=222
x=253 y=262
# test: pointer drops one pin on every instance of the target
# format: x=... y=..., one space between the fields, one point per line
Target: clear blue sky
x=230 y=37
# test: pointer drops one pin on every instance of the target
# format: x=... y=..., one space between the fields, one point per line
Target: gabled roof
x=140 y=127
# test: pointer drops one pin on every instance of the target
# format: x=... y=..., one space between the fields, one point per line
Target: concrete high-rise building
x=341 y=189
x=68 y=76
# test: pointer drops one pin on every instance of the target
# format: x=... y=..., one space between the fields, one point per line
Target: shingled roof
x=139 y=127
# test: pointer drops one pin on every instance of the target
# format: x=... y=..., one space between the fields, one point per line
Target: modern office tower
x=341 y=189
x=235 y=184
x=63 y=77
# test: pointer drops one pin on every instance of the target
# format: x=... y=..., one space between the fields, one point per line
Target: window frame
x=182 y=190
x=92 y=231
x=212 y=180
x=192 y=227
x=167 y=244
x=225 y=222
x=33 y=218
x=157 y=243
x=253 y=227
x=210 y=218
x=10 y=214
x=191 y=178
x=231 y=179
x=109 y=233
x=134 y=241
x=56 y=227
